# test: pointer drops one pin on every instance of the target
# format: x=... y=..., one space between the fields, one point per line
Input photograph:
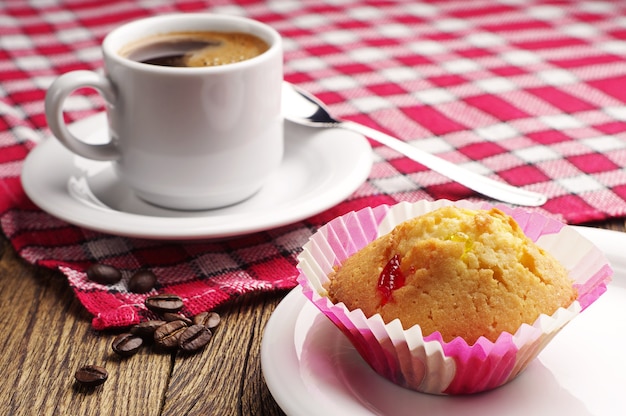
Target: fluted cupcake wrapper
x=427 y=363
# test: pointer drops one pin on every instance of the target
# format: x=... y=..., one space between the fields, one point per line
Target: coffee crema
x=195 y=49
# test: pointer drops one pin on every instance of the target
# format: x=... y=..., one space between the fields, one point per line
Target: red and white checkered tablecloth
x=530 y=92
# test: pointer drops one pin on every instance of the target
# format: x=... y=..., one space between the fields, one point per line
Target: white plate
x=311 y=368
x=320 y=169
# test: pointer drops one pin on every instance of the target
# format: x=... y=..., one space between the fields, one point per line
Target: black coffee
x=195 y=49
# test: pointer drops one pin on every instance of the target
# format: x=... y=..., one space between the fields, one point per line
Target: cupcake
x=450 y=298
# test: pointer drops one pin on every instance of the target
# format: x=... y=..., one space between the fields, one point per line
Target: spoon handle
x=497 y=190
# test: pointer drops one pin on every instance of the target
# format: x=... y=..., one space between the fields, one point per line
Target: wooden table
x=47 y=336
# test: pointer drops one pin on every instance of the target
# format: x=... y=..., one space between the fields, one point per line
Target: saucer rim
x=51 y=195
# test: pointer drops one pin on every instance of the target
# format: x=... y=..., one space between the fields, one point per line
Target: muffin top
x=465 y=273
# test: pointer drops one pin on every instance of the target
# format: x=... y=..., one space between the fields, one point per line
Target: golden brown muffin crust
x=467 y=273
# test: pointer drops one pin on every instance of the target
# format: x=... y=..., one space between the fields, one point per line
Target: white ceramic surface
x=311 y=368
x=320 y=169
x=184 y=138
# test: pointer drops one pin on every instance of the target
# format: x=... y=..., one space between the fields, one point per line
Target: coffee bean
x=146 y=329
x=194 y=338
x=164 y=303
x=169 y=317
x=91 y=375
x=126 y=344
x=173 y=331
x=142 y=281
x=103 y=274
x=208 y=319
x=167 y=335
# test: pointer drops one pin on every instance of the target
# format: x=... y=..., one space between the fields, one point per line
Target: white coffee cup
x=183 y=138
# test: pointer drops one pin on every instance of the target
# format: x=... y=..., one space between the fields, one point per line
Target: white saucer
x=312 y=369
x=321 y=168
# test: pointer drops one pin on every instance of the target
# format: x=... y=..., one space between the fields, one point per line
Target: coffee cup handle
x=60 y=89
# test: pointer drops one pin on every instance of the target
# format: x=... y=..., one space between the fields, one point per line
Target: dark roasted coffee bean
x=164 y=303
x=194 y=338
x=91 y=375
x=146 y=329
x=208 y=319
x=169 y=317
x=126 y=344
x=167 y=335
x=103 y=274
x=142 y=281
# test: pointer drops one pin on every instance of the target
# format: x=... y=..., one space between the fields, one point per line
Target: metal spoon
x=303 y=108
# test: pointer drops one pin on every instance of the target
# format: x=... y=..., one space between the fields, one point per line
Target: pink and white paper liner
x=428 y=364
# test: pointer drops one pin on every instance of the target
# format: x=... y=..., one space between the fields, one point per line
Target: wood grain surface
x=46 y=336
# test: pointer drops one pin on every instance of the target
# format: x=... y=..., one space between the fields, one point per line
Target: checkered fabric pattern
x=528 y=92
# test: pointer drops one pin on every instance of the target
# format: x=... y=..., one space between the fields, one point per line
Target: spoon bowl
x=303 y=108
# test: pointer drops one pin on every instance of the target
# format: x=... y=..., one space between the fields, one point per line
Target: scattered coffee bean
x=208 y=319
x=146 y=329
x=91 y=375
x=169 y=317
x=194 y=338
x=167 y=335
x=126 y=344
x=103 y=274
x=164 y=303
x=173 y=331
x=142 y=281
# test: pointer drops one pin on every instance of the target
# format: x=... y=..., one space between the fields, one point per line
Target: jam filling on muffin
x=390 y=279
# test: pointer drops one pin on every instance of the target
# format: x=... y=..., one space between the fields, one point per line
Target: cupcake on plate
x=450 y=298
